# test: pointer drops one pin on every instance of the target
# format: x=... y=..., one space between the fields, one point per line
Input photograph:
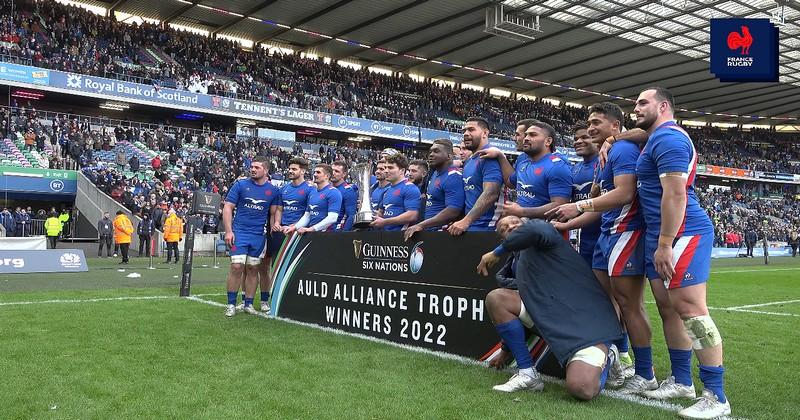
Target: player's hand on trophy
x=277 y=228
x=288 y=230
x=303 y=230
x=379 y=222
x=488 y=260
x=408 y=233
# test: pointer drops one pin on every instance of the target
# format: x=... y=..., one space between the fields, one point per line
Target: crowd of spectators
x=58 y=36
x=769 y=209
x=69 y=38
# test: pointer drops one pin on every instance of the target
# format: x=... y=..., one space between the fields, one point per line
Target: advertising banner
x=161 y=96
x=758 y=251
x=423 y=293
x=36 y=180
x=42 y=261
x=776 y=176
x=30 y=243
x=24 y=74
x=723 y=170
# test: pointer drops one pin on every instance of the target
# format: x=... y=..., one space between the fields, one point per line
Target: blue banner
x=154 y=95
x=42 y=261
x=24 y=74
x=20 y=180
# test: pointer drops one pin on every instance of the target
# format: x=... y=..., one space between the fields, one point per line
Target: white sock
x=529 y=372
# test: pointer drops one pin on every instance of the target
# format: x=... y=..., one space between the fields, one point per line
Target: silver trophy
x=364 y=216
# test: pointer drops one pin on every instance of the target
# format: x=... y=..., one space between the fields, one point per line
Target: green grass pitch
x=70 y=349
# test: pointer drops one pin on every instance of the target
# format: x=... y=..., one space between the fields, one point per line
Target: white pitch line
x=738 y=309
x=32 y=302
x=663 y=405
x=750 y=311
x=756 y=305
x=92 y=300
x=760 y=270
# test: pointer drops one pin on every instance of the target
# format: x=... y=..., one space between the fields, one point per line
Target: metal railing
x=111 y=123
x=15 y=59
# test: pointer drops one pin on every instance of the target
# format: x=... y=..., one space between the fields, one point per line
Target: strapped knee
x=703 y=332
x=592 y=356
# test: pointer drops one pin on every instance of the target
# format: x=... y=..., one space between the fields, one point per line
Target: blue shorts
x=692 y=254
x=248 y=244
x=620 y=254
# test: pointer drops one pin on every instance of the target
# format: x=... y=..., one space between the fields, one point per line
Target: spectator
x=145 y=232
x=750 y=239
x=121 y=159
x=105 y=232
x=793 y=241
x=23 y=223
x=134 y=163
x=8 y=222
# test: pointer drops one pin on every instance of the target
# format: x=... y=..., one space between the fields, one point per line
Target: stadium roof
x=585 y=47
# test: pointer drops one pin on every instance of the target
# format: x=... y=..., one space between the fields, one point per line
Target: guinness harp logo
x=357 y=248
x=207 y=199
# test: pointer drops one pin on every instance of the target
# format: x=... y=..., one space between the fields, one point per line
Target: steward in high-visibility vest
x=52 y=227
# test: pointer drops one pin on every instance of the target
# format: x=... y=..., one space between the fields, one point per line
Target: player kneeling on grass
x=556 y=291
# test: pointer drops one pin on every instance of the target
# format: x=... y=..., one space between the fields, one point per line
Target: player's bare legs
x=265 y=283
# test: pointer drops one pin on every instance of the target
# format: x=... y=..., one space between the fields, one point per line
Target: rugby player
x=400 y=205
x=324 y=203
x=349 y=193
x=679 y=238
x=482 y=182
x=554 y=290
x=379 y=186
x=253 y=199
x=445 y=192
x=291 y=207
x=619 y=254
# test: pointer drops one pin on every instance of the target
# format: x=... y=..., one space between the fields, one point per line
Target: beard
x=646 y=123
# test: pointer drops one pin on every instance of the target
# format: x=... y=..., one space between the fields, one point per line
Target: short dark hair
x=580 y=125
x=526 y=122
x=120 y=212
x=341 y=164
x=302 y=163
x=662 y=94
x=262 y=160
x=612 y=111
x=549 y=130
x=446 y=143
x=326 y=168
x=419 y=162
x=399 y=159
x=482 y=123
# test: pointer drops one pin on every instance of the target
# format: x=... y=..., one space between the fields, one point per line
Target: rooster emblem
x=743 y=40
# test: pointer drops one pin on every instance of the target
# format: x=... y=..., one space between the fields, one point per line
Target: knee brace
x=703 y=332
x=238 y=259
x=253 y=260
x=591 y=356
